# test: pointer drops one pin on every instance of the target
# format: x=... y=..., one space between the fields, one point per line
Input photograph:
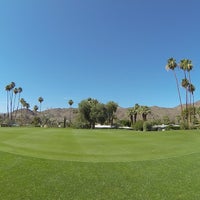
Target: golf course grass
x=39 y=163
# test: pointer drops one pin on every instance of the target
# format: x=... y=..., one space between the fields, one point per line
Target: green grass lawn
x=67 y=164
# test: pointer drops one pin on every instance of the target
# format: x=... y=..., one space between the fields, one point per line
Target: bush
x=138 y=126
x=124 y=122
x=147 y=126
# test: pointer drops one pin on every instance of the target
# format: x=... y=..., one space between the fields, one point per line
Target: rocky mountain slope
x=58 y=114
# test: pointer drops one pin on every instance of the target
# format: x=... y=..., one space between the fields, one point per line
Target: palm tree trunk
x=179 y=94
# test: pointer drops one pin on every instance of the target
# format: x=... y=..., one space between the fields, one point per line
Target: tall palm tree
x=171 y=65
x=12 y=86
x=186 y=66
x=191 y=89
x=23 y=105
x=19 y=96
x=7 y=88
x=40 y=99
x=70 y=102
x=15 y=91
x=185 y=84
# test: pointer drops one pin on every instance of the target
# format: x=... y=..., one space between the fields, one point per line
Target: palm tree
x=12 y=86
x=40 y=99
x=171 y=65
x=35 y=108
x=130 y=115
x=7 y=88
x=23 y=105
x=185 y=84
x=15 y=91
x=184 y=66
x=19 y=95
x=135 y=111
x=191 y=89
x=70 y=102
x=144 y=111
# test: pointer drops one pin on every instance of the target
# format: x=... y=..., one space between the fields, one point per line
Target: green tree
x=111 y=108
x=87 y=111
x=130 y=115
x=144 y=111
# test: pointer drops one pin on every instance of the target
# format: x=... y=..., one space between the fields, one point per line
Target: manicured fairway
x=98 y=145
x=98 y=164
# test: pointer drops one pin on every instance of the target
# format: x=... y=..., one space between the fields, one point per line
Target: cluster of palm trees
x=138 y=109
x=13 y=95
x=186 y=66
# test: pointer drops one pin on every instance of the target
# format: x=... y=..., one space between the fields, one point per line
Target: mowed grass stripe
x=98 y=145
x=35 y=179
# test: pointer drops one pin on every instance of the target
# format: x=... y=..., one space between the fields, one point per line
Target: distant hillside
x=58 y=114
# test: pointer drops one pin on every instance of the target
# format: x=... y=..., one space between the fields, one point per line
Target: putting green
x=98 y=145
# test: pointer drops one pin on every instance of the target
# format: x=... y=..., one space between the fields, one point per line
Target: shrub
x=138 y=126
x=147 y=126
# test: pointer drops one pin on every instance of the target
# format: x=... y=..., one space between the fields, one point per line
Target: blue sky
x=105 y=49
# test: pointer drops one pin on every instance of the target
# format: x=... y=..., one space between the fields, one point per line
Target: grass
x=98 y=164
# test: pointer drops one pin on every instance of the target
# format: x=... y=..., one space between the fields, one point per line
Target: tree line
x=91 y=111
x=14 y=101
x=188 y=112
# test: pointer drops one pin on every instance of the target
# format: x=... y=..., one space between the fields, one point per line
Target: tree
x=70 y=102
x=35 y=108
x=12 y=86
x=101 y=115
x=40 y=99
x=15 y=94
x=130 y=115
x=86 y=111
x=92 y=111
x=144 y=111
x=171 y=65
x=186 y=66
x=111 y=108
x=9 y=88
x=133 y=112
x=19 y=96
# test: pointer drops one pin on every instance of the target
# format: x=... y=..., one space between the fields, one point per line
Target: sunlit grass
x=162 y=165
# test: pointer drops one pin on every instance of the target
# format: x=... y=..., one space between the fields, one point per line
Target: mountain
x=58 y=114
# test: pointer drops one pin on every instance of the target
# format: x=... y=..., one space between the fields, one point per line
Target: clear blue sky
x=105 y=49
